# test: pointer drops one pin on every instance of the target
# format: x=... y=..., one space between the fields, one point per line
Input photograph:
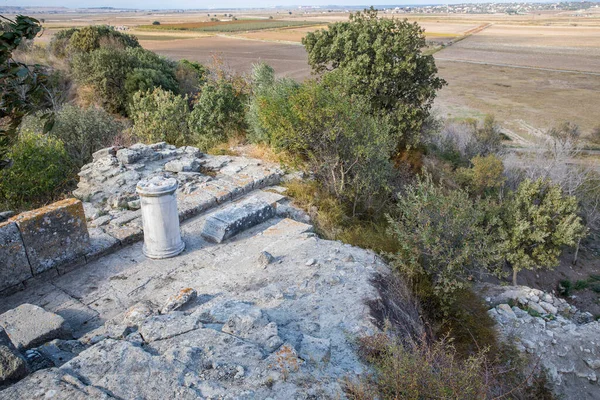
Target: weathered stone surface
x=175 y=302
x=14 y=266
x=236 y=218
x=568 y=350
x=100 y=243
x=184 y=164
x=12 y=364
x=28 y=326
x=4 y=215
x=265 y=258
x=106 y=152
x=54 y=234
x=127 y=156
x=61 y=351
x=161 y=327
x=315 y=350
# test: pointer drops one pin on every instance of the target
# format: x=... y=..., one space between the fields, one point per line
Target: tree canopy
x=386 y=64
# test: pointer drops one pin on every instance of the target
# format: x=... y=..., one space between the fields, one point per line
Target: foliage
x=461 y=142
x=485 y=177
x=83 y=131
x=383 y=58
x=595 y=135
x=156 y=23
x=442 y=237
x=269 y=100
x=217 y=115
x=190 y=77
x=160 y=115
x=419 y=370
x=40 y=169
x=565 y=132
x=93 y=37
x=22 y=86
x=117 y=74
x=537 y=221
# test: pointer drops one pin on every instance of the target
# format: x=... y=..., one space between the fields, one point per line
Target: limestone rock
x=265 y=258
x=238 y=217
x=28 y=326
x=315 y=349
x=12 y=364
x=185 y=164
x=14 y=267
x=177 y=301
x=166 y=326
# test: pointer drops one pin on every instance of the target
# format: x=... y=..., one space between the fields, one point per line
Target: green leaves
x=384 y=57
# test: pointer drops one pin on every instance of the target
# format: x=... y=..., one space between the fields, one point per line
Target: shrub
x=93 y=37
x=190 y=77
x=461 y=142
x=159 y=116
x=155 y=22
x=82 y=131
x=269 y=102
x=217 y=115
x=117 y=74
x=442 y=237
x=40 y=169
x=537 y=221
x=484 y=177
x=595 y=135
x=418 y=371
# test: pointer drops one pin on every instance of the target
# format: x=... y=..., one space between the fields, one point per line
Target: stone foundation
x=42 y=241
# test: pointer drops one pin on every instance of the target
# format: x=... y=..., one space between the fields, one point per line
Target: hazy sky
x=154 y=4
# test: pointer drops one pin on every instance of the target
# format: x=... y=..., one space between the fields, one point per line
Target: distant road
x=518 y=66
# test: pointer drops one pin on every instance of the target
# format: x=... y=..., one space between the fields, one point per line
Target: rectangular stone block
x=14 y=266
x=53 y=235
x=236 y=218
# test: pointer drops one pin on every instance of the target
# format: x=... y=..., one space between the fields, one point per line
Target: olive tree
x=385 y=58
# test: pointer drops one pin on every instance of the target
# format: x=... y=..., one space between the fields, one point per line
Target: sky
x=203 y=4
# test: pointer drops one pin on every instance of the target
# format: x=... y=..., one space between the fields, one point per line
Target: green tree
x=485 y=177
x=537 y=221
x=40 y=169
x=93 y=37
x=384 y=56
x=22 y=85
x=218 y=114
x=160 y=116
x=443 y=236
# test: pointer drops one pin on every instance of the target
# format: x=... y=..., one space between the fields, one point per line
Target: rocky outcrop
x=564 y=341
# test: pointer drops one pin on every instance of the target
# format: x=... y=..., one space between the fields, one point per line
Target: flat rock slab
x=54 y=234
x=29 y=326
x=236 y=218
x=14 y=267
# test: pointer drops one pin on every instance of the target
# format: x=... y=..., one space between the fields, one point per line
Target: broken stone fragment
x=127 y=156
x=12 y=364
x=160 y=327
x=265 y=258
x=185 y=164
x=14 y=265
x=29 y=326
x=138 y=312
x=177 y=301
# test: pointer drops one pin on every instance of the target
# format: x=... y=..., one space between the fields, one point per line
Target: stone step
x=236 y=218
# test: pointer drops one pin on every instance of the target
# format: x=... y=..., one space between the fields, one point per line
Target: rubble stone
x=12 y=364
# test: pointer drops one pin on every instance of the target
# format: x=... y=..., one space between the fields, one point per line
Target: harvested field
x=553 y=47
x=287 y=59
x=525 y=101
x=283 y=35
x=227 y=26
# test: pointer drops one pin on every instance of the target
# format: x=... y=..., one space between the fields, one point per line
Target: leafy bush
x=160 y=115
x=218 y=114
x=270 y=99
x=384 y=58
x=117 y=74
x=82 y=131
x=93 y=37
x=442 y=237
x=537 y=221
x=190 y=77
x=40 y=169
x=484 y=177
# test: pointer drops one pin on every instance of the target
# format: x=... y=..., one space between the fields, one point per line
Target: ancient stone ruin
x=255 y=307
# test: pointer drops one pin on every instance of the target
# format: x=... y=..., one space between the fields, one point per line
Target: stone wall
x=41 y=242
